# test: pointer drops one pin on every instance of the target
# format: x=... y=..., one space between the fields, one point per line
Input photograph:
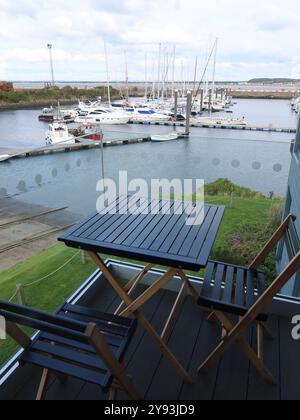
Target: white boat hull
x=58 y=134
x=164 y=137
x=103 y=121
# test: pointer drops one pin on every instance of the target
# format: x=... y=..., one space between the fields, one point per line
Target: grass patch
x=51 y=292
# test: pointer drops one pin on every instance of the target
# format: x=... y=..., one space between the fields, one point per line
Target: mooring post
x=188 y=112
x=202 y=100
x=21 y=294
x=176 y=105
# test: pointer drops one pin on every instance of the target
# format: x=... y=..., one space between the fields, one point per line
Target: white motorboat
x=165 y=137
x=145 y=114
x=69 y=114
x=58 y=133
x=88 y=106
x=105 y=116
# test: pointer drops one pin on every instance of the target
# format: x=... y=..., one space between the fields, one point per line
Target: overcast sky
x=258 y=38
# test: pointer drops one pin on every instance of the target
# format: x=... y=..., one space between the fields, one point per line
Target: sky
x=257 y=38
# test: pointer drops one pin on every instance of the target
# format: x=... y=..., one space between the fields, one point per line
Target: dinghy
x=165 y=137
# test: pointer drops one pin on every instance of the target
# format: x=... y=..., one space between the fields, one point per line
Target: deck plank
x=289 y=359
x=144 y=362
x=234 y=370
x=182 y=342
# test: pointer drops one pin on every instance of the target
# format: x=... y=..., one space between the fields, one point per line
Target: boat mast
x=195 y=76
x=214 y=69
x=164 y=73
x=159 y=71
x=146 y=75
x=169 y=57
x=173 y=72
x=126 y=78
x=50 y=46
x=107 y=73
x=153 y=83
x=182 y=79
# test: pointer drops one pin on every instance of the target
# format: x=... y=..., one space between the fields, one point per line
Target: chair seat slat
x=208 y=279
x=217 y=289
x=104 y=326
x=229 y=285
x=69 y=354
x=240 y=287
x=100 y=315
x=250 y=297
x=112 y=340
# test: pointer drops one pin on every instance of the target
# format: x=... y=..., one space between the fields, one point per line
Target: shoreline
x=270 y=95
x=235 y=94
x=35 y=105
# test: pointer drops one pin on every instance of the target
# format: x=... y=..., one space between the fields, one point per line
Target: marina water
x=257 y=160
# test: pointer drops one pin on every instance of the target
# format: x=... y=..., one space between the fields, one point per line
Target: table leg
x=149 y=293
x=185 y=279
x=141 y=319
x=132 y=285
x=169 y=327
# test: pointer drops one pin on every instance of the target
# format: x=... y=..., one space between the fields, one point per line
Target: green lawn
x=244 y=210
x=53 y=291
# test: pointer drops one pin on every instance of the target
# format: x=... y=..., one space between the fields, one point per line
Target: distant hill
x=276 y=80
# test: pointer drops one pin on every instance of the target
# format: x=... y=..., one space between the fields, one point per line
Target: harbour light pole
x=49 y=46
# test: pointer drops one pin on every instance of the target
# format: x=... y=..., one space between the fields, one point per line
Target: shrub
x=224 y=187
x=56 y=94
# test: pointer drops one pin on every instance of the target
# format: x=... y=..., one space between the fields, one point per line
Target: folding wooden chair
x=241 y=291
x=78 y=342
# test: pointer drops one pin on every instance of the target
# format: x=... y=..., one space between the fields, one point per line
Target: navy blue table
x=164 y=239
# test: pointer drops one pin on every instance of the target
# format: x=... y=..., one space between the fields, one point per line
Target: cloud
x=258 y=39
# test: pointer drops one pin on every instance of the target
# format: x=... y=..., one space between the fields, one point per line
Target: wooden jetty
x=66 y=148
x=248 y=127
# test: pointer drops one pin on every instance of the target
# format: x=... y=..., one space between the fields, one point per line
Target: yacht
x=88 y=106
x=145 y=114
x=58 y=133
x=105 y=116
x=51 y=114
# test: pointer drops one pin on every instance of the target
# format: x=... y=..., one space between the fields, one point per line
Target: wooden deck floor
x=193 y=338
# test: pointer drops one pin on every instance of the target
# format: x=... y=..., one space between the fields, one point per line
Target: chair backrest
x=286 y=232
x=291 y=239
x=44 y=322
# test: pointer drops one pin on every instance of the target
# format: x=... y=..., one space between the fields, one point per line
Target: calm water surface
x=259 y=161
